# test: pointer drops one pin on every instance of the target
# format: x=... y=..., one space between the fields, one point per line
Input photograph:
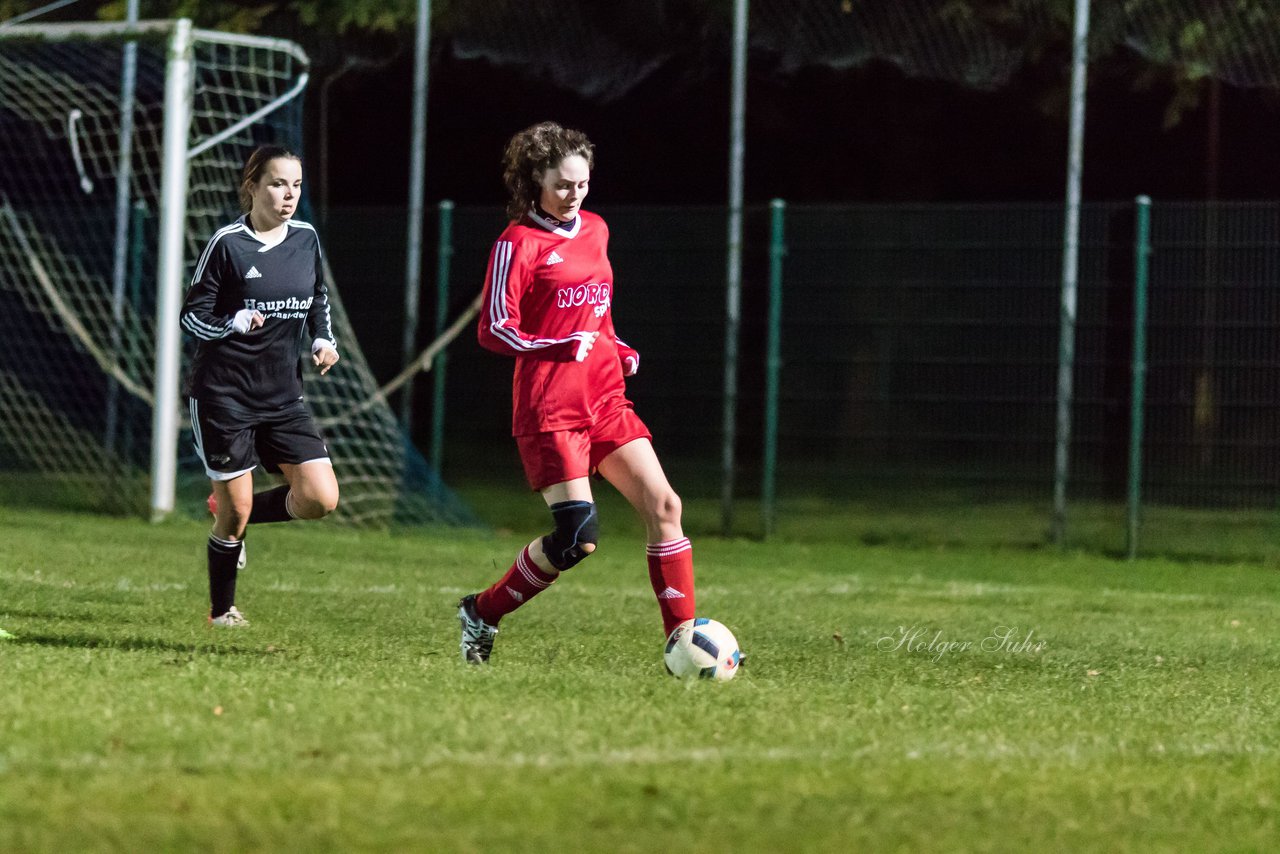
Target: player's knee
x=314 y=504
x=315 y=494
x=329 y=501
x=576 y=533
x=667 y=508
x=322 y=507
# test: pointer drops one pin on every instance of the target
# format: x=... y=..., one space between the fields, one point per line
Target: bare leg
x=635 y=471
x=313 y=488
x=235 y=502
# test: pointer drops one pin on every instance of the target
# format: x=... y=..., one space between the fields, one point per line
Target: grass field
x=895 y=698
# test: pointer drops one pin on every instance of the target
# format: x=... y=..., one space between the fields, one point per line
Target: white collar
x=266 y=243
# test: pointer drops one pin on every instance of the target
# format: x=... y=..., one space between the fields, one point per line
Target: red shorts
x=561 y=455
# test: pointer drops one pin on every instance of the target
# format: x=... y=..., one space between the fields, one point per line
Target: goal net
x=604 y=51
x=82 y=231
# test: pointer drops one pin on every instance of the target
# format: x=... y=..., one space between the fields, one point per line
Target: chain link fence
x=919 y=350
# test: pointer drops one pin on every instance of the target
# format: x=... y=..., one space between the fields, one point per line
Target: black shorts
x=232 y=441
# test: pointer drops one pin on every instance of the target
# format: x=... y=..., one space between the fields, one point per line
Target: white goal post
x=88 y=361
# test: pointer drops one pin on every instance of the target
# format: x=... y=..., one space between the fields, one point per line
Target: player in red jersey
x=548 y=302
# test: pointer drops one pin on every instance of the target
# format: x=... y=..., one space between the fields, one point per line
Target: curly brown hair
x=255 y=166
x=533 y=151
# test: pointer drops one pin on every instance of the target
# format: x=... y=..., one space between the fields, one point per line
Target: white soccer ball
x=704 y=649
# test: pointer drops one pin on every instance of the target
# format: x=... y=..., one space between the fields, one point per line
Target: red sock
x=522 y=582
x=671 y=574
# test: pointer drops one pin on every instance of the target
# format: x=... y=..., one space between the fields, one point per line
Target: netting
x=924 y=38
x=981 y=45
x=603 y=50
x=1236 y=42
x=78 y=362
x=600 y=50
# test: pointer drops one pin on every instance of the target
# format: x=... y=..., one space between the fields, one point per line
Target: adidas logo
x=253 y=273
x=515 y=594
x=671 y=593
x=554 y=258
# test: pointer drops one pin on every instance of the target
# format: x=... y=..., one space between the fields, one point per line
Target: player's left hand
x=323 y=355
x=630 y=360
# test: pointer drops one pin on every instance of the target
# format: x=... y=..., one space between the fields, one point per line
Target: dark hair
x=255 y=166
x=532 y=152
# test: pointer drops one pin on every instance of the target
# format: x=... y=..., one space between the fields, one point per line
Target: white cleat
x=232 y=619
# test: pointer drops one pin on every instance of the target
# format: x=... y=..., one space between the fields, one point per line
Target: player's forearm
x=199 y=322
x=509 y=341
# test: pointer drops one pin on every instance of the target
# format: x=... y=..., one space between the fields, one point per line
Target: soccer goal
x=120 y=149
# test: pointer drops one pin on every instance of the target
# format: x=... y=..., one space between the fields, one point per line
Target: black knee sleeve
x=576 y=523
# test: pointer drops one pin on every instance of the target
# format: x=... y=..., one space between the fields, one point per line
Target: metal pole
x=773 y=364
x=1137 y=400
x=173 y=215
x=1070 y=272
x=135 y=346
x=417 y=173
x=124 y=171
x=733 y=289
x=444 y=255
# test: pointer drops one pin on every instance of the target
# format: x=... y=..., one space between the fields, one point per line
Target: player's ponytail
x=255 y=166
x=533 y=151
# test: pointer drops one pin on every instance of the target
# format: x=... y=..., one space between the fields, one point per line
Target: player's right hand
x=585 y=343
x=247 y=319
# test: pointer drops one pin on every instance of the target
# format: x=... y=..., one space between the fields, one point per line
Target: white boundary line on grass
x=1072 y=753
x=852 y=587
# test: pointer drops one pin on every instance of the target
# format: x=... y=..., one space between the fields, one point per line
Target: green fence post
x=773 y=364
x=1141 y=256
x=444 y=255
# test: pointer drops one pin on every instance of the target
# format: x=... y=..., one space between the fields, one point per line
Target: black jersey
x=260 y=369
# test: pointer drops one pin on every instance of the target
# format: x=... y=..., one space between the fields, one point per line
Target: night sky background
x=868 y=134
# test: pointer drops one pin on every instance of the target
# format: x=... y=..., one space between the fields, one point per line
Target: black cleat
x=477 y=635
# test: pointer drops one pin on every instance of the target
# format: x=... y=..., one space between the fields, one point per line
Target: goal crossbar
x=123 y=29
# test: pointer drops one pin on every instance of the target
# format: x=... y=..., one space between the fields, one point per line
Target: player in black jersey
x=257 y=290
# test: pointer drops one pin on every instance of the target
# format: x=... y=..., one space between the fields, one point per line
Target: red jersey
x=548 y=286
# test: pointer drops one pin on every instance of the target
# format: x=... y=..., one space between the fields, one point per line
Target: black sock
x=271 y=506
x=223 y=555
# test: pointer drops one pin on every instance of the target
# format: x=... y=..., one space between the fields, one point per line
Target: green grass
x=1148 y=719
